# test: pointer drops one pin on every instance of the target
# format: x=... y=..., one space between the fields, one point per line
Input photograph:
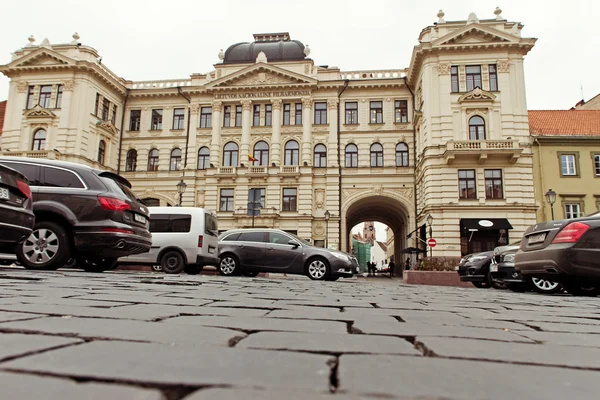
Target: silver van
x=183 y=239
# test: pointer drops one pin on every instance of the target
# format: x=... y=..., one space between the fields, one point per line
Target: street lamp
x=327 y=215
x=430 y=222
x=181 y=186
x=551 y=199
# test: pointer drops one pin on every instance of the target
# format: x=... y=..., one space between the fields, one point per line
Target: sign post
x=431 y=243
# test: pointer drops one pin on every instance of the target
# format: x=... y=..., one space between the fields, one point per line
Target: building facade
x=446 y=137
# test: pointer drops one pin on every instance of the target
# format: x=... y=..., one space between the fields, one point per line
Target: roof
x=2 y=112
x=276 y=46
x=382 y=245
x=564 y=122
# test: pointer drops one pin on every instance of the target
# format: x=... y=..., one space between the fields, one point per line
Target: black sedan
x=16 y=215
x=565 y=251
x=475 y=268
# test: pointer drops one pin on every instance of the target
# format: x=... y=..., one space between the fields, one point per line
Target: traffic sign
x=432 y=242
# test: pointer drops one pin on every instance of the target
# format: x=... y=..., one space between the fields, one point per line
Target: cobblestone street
x=69 y=334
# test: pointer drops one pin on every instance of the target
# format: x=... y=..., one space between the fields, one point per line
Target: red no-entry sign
x=432 y=242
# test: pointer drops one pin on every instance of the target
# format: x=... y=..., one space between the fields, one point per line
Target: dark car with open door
x=16 y=209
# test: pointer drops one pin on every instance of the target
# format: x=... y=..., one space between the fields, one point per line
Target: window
x=473 y=77
x=238 y=115
x=567 y=165
x=105 y=109
x=59 y=93
x=401 y=155
x=156 y=120
x=268 y=114
x=153 y=160
x=597 y=164
x=180 y=223
x=206 y=117
x=151 y=202
x=203 y=158
x=298 y=117
x=57 y=177
x=226 y=200
x=320 y=156
x=278 y=238
x=291 y=153
x=493 y=77
x=376 y=155
x=401 y=111
x=30 y=98
x=320 y=113
x=178 y=118
x=286 y=113
x=101 y=151
x=476 y=128
x=573 y=210
x=289 y=200
x=351 y=156
x=493 y=184
x=113 y=118
x=454 y=79
x=135 y=117
x=262 y=193
x=45 y=95
x=97 y=105
x=131 y=161
x=226 y=116
x=377 y=112
x=32 y=172
x=256 y=115
x=39 y=140
x=230 y=155
x=351 y=113
x=175 y=164
x=258 y=237
x=466 y=184
x=261 y=153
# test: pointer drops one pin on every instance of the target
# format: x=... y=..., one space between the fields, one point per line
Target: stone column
x=215 y=146
x=192 y=156
x=246 y=123
x=307 y=116
x=333 y=125
x=276 y=138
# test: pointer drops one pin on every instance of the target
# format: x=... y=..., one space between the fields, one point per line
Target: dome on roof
x=277 y=47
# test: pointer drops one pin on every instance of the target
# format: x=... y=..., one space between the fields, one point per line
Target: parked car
x=565 y=251
x=16 y=209
x=475 y=268
x=82 y=214
x=250 y=251
x=502 y=270
x=183 y=239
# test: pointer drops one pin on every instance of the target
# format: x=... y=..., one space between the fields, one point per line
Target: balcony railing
x=481 y=149
x=49 y=154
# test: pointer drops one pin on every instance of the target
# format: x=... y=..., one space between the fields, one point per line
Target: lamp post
x=327 y=215
x=430 y=222
x=181 y=186
x=551 y=199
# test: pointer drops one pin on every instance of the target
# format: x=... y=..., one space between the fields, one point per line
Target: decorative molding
x=39 y=112
x=350 y=128
x=378 y=189
x=319 y=197
x=333 y=102
x=246 y=105
x=261 y=78
x=22 y=86
x=194 y=109
x=477 y=95
x=307 y=102
x=307 y=69
x=68 y=85
x=443 y=69
x=200 y=198
x=217 y=106
x=108 y=127
x=276 y=104
x=477 y=111
x=503 y=66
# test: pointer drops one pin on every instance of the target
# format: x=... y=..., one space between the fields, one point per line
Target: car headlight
x=477 y=258
x=341 y=256
x=509 y=258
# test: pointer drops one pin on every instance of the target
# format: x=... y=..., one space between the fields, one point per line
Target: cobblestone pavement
x=69 y=334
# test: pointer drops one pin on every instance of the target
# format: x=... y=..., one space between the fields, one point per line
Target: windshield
x=299 y=239
x=117 y=187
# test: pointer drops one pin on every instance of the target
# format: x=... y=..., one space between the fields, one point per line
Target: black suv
x=16 y=215
x=82 y=214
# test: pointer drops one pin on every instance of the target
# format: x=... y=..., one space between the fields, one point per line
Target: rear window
x=231 y=238
x=174 y=223
x=252 y=237
x=210 y=224
x=56 y=177
x=117 y=187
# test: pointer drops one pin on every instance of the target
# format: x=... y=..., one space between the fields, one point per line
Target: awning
x=484 y=224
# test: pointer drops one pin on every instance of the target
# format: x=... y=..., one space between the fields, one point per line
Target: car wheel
x=47 y=248
x=193 y=269
x=517 y=287
x=495 y=284
x=157 y=268
x=97 y=264
x=228 y=265
x=581 y=290
x=317 y=269
x=545 y=286
x=172 y=262
x=481 y=285
x=251 y=274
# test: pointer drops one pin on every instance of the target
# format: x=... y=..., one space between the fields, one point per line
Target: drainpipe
x=414 y=149
x=346 y=81
x=187 y=133
x=121 y=132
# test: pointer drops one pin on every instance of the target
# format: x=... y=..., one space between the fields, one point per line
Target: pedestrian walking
x=407 y=264
x=391 y=266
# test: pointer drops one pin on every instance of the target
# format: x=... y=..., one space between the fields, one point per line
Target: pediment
x=475 y=34
x=39 y=112
x=477 y=94
x=108 y=127
x=261 y=75
x=42 y=57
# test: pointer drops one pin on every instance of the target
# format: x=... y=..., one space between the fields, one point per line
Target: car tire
x=57 y=250
x=172 y=262
x=481 y=285
x=251 y=274
x=228 y=265
x=545 y=286
x=193 y=269
x=495 y=284
x=97 y=264
x=317 y=269
x=582 y=290
x=157 y=268
x=517 y=287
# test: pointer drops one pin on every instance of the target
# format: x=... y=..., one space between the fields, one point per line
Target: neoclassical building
x=323 y=148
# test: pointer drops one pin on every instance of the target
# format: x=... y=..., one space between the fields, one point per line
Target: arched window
x=291 y=153
x=151 y=202
x=39 y=140
x=203 y=158
x=376 y=155
x=131 y=161
x=401 y=155
x=261 y=153
x=476 y=128
x=320 y=156
x=101 y=151
x=230 y=155
x=351 y=156
x=153 y=160
x=175 y=164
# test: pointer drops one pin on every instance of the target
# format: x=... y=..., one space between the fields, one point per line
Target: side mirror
x=293 y=243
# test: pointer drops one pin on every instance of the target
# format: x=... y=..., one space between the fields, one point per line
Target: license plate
x=494 y=268
x=139 y=218
x=211 y=250
x=539 y=238
x=4 y=194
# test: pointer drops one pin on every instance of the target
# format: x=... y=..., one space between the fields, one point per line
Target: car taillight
x=24 y=188
x=118 y=230
x=200 y=240
x=571 y=233
x=112 y=204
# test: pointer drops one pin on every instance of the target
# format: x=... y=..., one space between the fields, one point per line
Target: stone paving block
x=15 y=316
x=458 y=379
x=40 y=309
x=278 y=394
x=31 y=387
x=558 y=327
x=148 y=299
x=155 y=363
x=76 y=302
x=153 y=311
x=310 y=313
x=17 y=344
x=565 y=338
x=262 y=324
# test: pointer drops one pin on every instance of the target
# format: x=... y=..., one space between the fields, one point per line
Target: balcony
x=482 y=150
x=226 y=171
x=258 y=171
x=287 y=171
x=267 y=218
x=48 y=154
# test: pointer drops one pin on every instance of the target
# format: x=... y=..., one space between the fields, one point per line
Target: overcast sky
x=142 y=40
